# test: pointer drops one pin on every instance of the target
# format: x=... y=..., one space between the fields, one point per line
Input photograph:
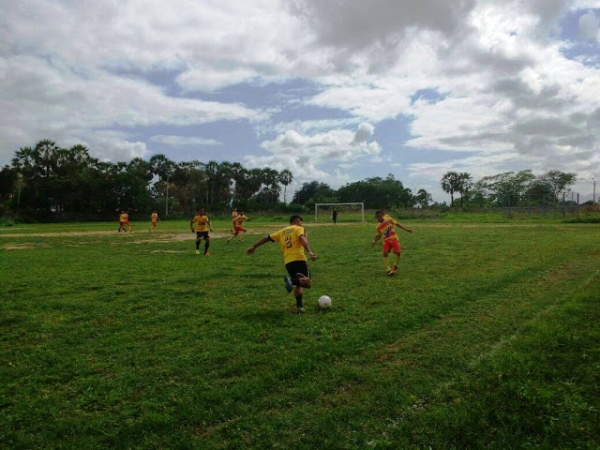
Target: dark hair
x=294 y=217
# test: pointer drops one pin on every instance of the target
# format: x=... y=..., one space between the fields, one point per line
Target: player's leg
x=300 y=279
x=397 y=251
x=386 y=261
x=198 y=241
x=206 y=244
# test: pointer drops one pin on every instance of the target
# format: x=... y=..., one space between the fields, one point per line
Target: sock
x=386 y=262
x=197 y=244
x=206 y=244
x=299 y=301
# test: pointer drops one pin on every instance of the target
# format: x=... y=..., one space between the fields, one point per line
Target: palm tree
x=464 y=185
x=164 y=168
x=450 y=184
x=285 y=178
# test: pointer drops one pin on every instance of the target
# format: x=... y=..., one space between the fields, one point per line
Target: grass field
x=487 y=337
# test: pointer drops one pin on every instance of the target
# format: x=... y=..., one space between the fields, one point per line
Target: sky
x=336 y=91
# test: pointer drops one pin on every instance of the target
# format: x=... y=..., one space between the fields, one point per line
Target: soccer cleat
x=206 y=254
x=390 y=273
x=300 y=310
x=197 y=252
x=288 y=284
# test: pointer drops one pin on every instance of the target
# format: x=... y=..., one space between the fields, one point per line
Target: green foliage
x=377 y=193
x=487 y=337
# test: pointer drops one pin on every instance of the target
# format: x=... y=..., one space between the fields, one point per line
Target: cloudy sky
x=333 y=90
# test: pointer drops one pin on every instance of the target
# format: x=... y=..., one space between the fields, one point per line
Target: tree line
x=508 y=188
x=47 y=180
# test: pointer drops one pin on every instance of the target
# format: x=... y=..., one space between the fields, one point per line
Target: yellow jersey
x=289 y=240
x=202 y=223
x=154 y=217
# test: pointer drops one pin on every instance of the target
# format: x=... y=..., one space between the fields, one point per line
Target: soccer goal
x=339 y=212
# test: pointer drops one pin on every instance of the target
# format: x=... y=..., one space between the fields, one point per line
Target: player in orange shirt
x=122 y=222
x=238 y=227
x=200 y=223
x=293 y=242
x=154 y=220
x=385 y=229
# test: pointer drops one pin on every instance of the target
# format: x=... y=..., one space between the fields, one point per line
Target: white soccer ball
x=324 y=302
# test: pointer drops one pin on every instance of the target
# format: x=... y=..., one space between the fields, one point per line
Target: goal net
x=339 y=212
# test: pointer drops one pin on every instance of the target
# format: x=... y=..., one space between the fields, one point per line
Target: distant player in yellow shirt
x=386 y=229
x=238 y=227
x=122 y=219
x=293 y=242
x=154 y=221
x=200 y=223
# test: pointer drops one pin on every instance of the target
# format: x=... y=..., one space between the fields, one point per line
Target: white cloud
x=589 y=26
x=183 y=141
x=487 y=77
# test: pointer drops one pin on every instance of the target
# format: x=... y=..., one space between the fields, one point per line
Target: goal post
x=345 y=212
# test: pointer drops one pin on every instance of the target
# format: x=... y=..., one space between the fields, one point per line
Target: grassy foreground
x=487 y=337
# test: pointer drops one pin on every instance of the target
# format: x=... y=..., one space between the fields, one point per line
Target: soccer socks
x=206 y=244
x=299 y=301
x=386 y=263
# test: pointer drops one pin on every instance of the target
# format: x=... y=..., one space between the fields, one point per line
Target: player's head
x=241 y=212
x=200 y=211
x=379 y=215
x=295 y=220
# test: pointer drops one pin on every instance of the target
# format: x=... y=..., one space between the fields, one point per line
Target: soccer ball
x=324 y=302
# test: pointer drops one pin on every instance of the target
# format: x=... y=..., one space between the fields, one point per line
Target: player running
x=200 y=223
x=293 y=242
x=238 y=227
x=154 y=221
x=385 y=229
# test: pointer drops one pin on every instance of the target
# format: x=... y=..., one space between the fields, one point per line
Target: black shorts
x=202 y=234
x=297 y=267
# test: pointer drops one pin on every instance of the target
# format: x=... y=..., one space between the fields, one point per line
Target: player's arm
x=209 y=225
x=399 y=225
x=262 y=241
x=304 y=243
x=375 y=239
x=192 y=225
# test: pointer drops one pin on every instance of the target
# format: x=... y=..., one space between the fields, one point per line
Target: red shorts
x=393 y=245
x=239 y=228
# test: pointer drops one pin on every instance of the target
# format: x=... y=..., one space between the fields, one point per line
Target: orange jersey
x=387 y=230
x=154 y=217
x=239 y=220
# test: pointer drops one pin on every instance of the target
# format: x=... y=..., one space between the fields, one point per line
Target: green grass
x=487 y=337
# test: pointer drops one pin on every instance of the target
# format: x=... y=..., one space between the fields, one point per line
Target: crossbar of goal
x=359 y=206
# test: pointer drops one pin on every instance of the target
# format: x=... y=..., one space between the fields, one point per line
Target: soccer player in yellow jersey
x=153 y=220
x=238 y=227
x=385 y=229
x=200 y=223
x=122 y=222
x=293 y=242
